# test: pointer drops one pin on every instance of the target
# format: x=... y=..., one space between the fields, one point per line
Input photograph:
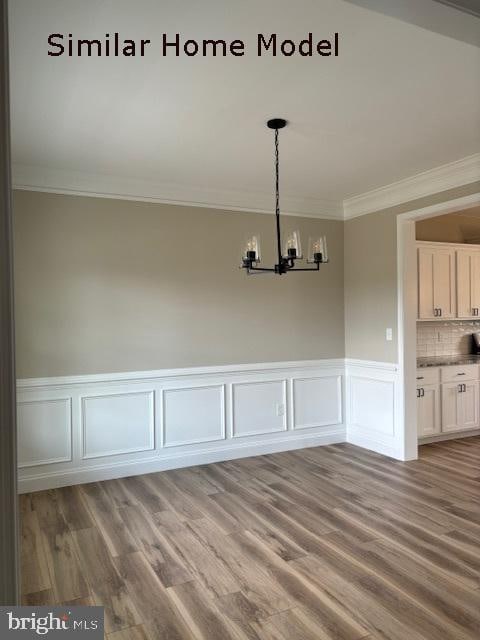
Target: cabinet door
x=436 y=282
x=428 y=410
x=444 y=282
x=468 y=283
x=475 y=282
x=425 y=283
x=451 y=393
x=469 y=406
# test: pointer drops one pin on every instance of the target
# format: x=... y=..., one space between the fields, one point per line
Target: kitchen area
x=448 y=326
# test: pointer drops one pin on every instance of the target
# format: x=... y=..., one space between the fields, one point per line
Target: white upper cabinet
x=468 y=283
x=436 y=282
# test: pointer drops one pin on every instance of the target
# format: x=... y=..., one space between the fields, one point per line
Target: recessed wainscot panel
x=193 y=415
x=44 y=432
x=116 y=424
x=317 y=402
x=259 y=407
x=372 y=405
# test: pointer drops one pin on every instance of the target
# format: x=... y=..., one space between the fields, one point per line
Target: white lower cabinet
x=447 y=407
x=468 y=406
x=460 y=406
x=428 y=410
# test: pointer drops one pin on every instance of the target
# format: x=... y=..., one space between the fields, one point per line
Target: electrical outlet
x=389 y=334
x=280 y=410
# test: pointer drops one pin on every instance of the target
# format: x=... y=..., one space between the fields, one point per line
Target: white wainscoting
x=84 y=428
x=193 y=415
x=258 y=408
x=116 y=423
x=45 y=436
x=307 y=411
x=373 y=407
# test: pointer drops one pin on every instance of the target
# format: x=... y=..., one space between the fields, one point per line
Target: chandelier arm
x=317 y=268
x=261 y=269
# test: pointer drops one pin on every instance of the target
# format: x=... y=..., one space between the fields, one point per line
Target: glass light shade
x=252 y=249
x=317 y=250
x=293 y=246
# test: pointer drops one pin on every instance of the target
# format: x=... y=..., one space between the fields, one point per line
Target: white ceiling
x=399 y=100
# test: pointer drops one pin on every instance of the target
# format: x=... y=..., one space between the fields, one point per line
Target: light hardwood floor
x=328 y=543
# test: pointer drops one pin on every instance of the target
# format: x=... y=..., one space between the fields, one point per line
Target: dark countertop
x=445 y=361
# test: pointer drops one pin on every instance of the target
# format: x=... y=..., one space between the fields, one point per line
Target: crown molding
x=448 y=176
x=467 y=6
x=36 y=178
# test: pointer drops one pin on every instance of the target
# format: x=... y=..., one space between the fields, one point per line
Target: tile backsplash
x=445 y=338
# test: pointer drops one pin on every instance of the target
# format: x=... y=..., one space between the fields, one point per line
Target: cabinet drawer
x=459 y=373
x=428 y=375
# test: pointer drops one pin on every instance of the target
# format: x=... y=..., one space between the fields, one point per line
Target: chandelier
x=292 y=248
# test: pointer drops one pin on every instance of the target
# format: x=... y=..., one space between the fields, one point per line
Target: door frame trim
x=407 y=310
x=9 y=546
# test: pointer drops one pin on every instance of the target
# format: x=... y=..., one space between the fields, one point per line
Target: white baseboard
x=363 y=441
x=109 y=470
x=441 y=437
x=85 y=428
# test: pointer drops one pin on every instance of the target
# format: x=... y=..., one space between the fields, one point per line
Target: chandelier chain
x=277 y=198
x=277 y=180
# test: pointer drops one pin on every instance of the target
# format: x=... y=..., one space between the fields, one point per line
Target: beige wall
x=371 y=277
x=109 y=285
x=449 y=228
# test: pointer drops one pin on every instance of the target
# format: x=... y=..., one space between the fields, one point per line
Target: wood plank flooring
x=329 y=543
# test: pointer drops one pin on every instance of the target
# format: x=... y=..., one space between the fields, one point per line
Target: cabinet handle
x=440 y=312
x=464 y=387
x=461 y=374
x=460 y=388
x=420 y=377
x=422 y=392
x=435 y=313
x=418 y=393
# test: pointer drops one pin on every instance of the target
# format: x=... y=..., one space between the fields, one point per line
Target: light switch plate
x=389 y=334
